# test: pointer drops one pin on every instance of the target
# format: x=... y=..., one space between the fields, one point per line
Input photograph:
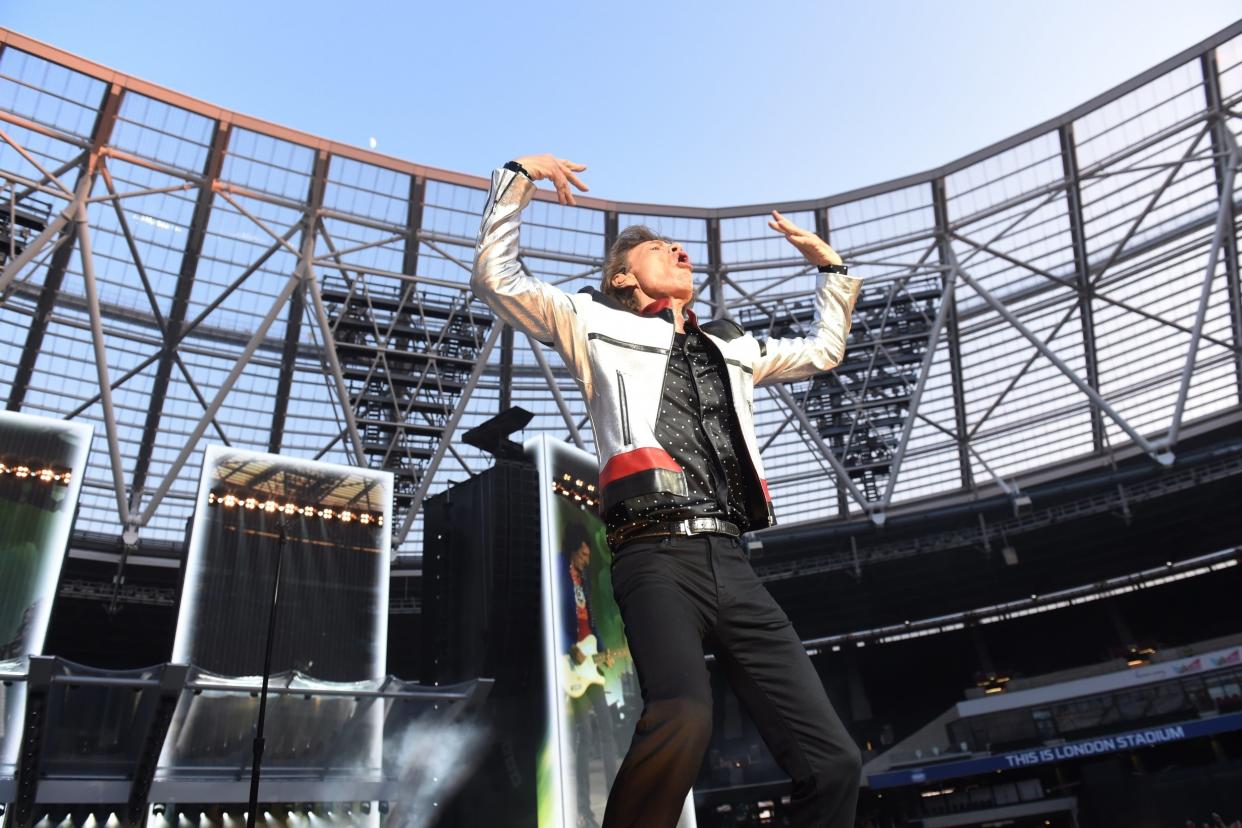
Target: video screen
x=594 y=700
x=42 y=462
x=330 y=525
x=319 y=535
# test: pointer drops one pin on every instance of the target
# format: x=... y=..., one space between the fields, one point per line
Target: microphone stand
x=267 y=671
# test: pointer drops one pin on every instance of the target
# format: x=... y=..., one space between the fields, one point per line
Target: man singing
x=681 y=478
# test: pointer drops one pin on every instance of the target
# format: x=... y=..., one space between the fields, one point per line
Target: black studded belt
x=690 y=526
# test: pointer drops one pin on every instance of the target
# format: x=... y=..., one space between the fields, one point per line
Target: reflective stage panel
x=592 y=692
x=329 y=527
x=332 y=524
x=42 y=461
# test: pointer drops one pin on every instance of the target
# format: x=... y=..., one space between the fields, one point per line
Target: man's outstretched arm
x=798 y=357
x=529 y=305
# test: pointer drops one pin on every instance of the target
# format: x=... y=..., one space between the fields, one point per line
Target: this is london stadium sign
x=1090 y=747
x=1056 y=753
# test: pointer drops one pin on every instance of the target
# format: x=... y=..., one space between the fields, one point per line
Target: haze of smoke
x=433 y=761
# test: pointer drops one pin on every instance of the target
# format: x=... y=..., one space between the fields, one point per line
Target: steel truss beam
x=297 y=309
x=382 y=341
x=810 y=432
x=1085 y=288
x=1159 y=453
x=940 y=206
x=450 y=428
x=506 y=368
x=1224 y=146
x=414 y=223
x=410 y=260
x=101 y=363
x=947 y=302
x=62 y=220
x=193 y=325
x=1108 y=501
x=76 y=161
x=820 y=449
x=309 y=282
x=332 y=361
x=1224 y=224
x=52 y=281
x=1086 y=284
x=177 y=313
x=1120 y=246
x=1085 y=280
x=715 y=270
x=288 y=365
x=191 y=441
x=381 y=360
x=156 y=314
x=65 y=192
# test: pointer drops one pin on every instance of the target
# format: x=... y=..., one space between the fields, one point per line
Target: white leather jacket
x=619 y=357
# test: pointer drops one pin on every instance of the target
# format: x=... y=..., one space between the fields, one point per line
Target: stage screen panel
x=593 y=698
x=332 y=525
x=42 y=462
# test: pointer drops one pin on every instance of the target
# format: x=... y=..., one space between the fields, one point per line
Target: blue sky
x=709 y=104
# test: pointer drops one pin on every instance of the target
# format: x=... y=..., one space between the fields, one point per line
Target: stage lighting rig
x=1009 y=554
x=991 y=683
x=229 y=500
x=1139 y=656
x=406 y=357
x=40 y=472
x=860 y=407
x=576 y=489
x=1021 y=503
x=20 y=224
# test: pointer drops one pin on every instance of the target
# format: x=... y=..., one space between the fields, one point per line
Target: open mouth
x=683 y=260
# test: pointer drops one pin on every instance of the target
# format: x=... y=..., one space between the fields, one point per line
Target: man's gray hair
x=617 y=261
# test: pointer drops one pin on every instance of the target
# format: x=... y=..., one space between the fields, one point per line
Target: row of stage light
x=43 y=474
x=232 y=501
x=577 y=490
x=323 y=811
x=329 y=814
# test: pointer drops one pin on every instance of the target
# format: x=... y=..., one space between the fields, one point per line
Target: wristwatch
x=518 y=168
x=831 y=268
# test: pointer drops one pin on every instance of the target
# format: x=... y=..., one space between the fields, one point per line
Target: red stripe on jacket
x=638 y=460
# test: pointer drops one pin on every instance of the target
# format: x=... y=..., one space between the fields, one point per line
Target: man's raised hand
x=816 y=250
x=560 y=171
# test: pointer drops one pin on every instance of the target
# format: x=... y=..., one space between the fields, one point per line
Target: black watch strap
x=518 y=168
x=831 y=268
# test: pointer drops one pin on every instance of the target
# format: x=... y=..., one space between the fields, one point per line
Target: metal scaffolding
x=179 y=274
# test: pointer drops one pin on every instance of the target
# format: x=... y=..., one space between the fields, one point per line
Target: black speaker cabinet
x=481 y=617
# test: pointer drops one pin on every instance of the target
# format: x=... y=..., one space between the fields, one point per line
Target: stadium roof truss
x=176 y=273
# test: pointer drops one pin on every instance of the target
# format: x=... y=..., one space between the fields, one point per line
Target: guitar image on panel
x=590 y=716
x=580 y=675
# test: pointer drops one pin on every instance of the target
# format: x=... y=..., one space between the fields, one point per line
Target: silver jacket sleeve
x=531 y=306
x=798 y=357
